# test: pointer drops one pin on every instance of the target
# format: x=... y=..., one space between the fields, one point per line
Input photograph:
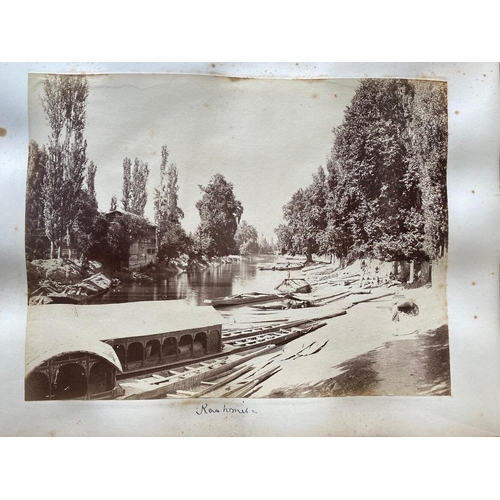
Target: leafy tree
x=89 y=230
x=285 y=238
x=247 y=239
x=306 y=218
x=91 y=171
x=166 y=197
x=174 y=242
x=265 y=247
x=376 y=191
x=337 y=238
x=124 y=230
x=160 y=194
x=37 y=158
x=64 y=103
x=139 y=195
x=385 y=193
x=170 y=237
x=53 y=201
x=134 y=191
x=127 y=185
x=429 y=136
x=220 y=214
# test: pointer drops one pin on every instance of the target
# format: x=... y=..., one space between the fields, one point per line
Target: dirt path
x=358 y=354
x=417 y=366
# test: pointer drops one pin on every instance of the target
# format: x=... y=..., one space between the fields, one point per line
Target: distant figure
x=395 y=316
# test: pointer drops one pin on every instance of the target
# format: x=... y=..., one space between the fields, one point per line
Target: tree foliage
x=64 y=103
x=220 y=214
x=91 y=172
x=247 y=239
x=171 y=239
x=134 y=189
x=139 y=193
x=127 y=185
x=265 y=247
x=90 y=229
x=173 y=242
x=385 y=193
x=124 y=230
x=305 y=217
x=37 y=158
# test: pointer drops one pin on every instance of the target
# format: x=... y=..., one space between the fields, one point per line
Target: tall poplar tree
x=160 y=194
x=64 y=103
x=127 y=185
x=139 y=194
x=37 y=158
x=170 y=236
x=91 y=172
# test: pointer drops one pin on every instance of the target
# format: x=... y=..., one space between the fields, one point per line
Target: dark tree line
x=384 y=192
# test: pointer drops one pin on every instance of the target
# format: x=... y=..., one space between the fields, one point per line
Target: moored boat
x=230 y=335
x=88 y=289
x=75 y=296
x=279 y=337
x=160 y=384
x=241 y=298
x=289 y=266
x=294 y=285
x=266 y=267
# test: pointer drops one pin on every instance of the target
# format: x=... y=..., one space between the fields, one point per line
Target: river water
x=195 y=286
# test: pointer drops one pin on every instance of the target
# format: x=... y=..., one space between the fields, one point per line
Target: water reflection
x=195 y=286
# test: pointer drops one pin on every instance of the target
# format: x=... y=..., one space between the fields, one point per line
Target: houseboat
x=78 y=352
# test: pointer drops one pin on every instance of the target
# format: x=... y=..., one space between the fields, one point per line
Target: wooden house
x=142 y=251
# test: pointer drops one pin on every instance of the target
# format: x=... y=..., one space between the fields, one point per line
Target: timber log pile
x=50 y=291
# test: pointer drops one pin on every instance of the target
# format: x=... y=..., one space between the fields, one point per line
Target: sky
x=266 y=136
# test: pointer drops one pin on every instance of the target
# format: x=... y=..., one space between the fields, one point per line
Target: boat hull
x=240 y=300
x=75 y=299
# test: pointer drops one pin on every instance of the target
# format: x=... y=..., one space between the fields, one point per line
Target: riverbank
x=363 y=352
x=357 y=353
x=66 y=271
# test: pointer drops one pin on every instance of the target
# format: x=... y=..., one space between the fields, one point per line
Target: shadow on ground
x=403 y=367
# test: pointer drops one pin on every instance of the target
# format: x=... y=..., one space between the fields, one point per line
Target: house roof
x=124 y=212
x=58 y=328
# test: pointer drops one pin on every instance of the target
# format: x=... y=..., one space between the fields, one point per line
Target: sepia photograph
x=197 y=236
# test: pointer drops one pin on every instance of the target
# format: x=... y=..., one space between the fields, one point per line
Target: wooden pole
x=50 y=379
x=412 y=271
x=87 y=375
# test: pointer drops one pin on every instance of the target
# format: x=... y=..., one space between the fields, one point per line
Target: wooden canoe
x=279 y=337
x=241 y=299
